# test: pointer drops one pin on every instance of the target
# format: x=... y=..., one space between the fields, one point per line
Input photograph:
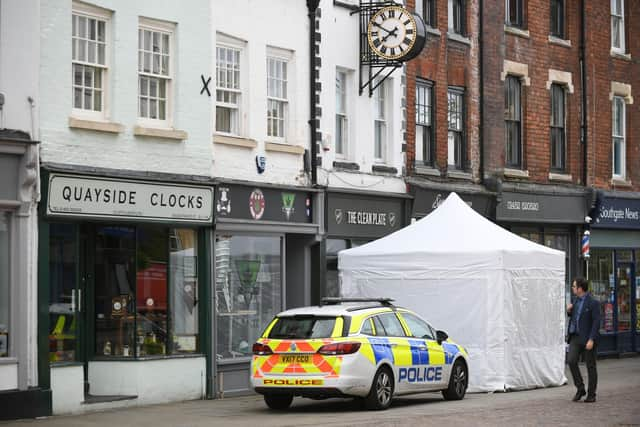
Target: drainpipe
x=583 y=92
x=481 y=94
x=312 y=5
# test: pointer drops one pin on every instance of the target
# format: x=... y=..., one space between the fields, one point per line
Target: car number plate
x=295 y=358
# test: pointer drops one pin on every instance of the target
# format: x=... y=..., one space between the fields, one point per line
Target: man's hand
x=589 y=345
x=569 y=308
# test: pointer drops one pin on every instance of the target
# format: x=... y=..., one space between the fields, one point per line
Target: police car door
x=427 y=371
x=388 y=325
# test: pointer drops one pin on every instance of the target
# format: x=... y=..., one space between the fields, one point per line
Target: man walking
x=584 y=324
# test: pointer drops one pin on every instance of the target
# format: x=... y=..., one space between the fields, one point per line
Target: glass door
x=65 y=295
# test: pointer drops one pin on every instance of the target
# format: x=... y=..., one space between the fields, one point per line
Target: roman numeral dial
x=392 y=32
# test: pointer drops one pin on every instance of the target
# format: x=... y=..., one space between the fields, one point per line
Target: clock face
x=392 y=32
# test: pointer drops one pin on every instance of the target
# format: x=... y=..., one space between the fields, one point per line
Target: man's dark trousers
x=576 y=348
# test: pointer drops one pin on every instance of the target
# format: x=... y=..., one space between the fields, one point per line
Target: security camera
x=587 y=219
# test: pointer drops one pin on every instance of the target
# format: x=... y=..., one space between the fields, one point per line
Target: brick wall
x=447 y=62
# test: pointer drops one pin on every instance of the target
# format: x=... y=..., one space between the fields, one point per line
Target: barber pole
x=585 y=243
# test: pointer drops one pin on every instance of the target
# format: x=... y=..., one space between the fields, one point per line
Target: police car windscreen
x=303 y=327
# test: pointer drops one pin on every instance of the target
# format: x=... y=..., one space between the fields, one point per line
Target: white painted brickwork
x=339 y=49
x=192 y=112
x=258 y=26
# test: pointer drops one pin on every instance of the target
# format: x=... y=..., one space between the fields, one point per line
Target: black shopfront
x=265 y=246
x=353 y=219
x=555 y=220
x=613 y=271
x=123 y=275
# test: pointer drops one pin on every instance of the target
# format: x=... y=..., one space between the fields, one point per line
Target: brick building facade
x=553 y=162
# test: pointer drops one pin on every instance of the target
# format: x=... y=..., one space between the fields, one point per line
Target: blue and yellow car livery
x=367 y=349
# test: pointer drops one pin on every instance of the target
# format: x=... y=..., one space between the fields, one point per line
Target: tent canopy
x=499 y=295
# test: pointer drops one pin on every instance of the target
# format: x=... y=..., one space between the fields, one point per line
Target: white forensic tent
x=497 y=294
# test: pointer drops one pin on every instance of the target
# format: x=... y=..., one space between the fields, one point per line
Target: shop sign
x=361 y=216
x=618 y=213
x=263 y=204
x=567 y=209
x=124 y=199
x=426 y=201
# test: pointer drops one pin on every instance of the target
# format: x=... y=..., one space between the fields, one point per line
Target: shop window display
x=248 y=283
x=600 y=273
x=145 y=291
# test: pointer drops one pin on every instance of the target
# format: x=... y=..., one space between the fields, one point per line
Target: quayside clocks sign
x=124 y=199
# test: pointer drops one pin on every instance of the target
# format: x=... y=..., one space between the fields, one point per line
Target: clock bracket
x=372 y=66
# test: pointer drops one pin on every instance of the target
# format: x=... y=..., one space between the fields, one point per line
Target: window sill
x=618 y=182
x=8 y=361
x=458 y=174
x=517 y=31
x=346 y=166
x=458 y=38
x=434 y=31
x=109 y=127
x=145 y=358
x=427 y=170
x=283 y=148
x=561 y=177
x=516 y=173
x=560 y=42
x=620 y=55
x=235 y=141
x=179 y=135
x=385 y=170
x=346 y=4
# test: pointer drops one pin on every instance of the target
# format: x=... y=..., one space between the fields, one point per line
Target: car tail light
x=340 y=348
x=261 y=349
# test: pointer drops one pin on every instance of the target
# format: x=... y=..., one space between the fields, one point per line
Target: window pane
x=4 y=284
x=248 y=290
x=115 y=276
x=151 y=290
x=184 y=289
x=391 y=325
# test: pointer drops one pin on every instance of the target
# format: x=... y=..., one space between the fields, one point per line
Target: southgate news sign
x=125 y=199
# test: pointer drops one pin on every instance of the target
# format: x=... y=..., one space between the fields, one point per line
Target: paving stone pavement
x=618 y=404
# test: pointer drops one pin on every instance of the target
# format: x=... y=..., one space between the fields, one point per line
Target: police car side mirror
x=441 y=336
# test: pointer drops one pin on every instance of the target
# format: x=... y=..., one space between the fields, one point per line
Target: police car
x=355 y=347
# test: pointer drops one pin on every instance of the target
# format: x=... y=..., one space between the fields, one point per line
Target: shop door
x=625 y=302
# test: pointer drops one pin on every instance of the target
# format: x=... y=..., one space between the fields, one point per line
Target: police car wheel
x=457 y=383
x=278 y=401
x=379 y=396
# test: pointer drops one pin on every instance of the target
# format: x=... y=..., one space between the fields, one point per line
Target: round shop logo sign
x=256 y=204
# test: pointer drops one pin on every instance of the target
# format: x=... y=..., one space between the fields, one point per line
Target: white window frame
x=380 y=119
x=227 y=42
x=92 y=12
x=619 y=16
x=451 y=19
x=619 y=139
x=455 y=128
x=168 y=28
x=285 y=102
x=424 y=123
x=342 y=117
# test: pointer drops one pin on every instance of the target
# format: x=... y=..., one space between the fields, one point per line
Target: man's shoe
x=590 y=399
x=579 y=395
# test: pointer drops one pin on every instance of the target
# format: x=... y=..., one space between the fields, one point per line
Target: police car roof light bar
x=338 y=300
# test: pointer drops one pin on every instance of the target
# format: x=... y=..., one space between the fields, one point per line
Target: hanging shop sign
x=263 y=204
x=548 y=208
x=616 y=212
x=76 y=196
x=362 y=216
